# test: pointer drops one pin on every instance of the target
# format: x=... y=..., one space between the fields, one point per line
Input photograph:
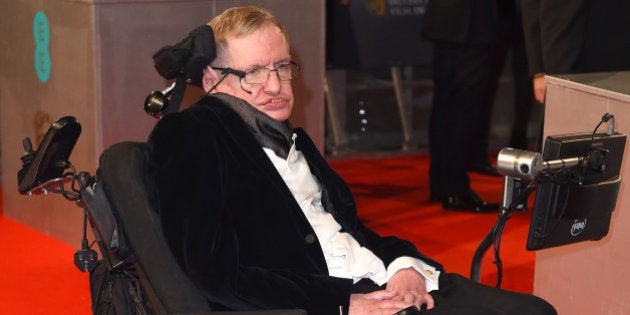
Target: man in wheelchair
x=258 y=220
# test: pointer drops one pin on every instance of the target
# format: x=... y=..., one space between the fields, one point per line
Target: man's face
x=266 y=48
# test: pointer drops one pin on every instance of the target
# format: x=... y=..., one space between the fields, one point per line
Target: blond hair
x=241 y=21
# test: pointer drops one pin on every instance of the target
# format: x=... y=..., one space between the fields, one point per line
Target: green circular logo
x=41 y=35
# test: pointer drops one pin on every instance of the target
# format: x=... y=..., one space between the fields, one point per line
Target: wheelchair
x=137 y=274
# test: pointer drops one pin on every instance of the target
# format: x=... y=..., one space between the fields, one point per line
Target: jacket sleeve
x=554 y=33
x=531 y=33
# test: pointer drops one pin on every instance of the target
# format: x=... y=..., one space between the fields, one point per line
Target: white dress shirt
x=345 y=257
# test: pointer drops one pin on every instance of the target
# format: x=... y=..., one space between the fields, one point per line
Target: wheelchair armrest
x=43 y=169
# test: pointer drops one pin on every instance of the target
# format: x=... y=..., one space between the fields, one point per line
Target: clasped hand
x=405 y=288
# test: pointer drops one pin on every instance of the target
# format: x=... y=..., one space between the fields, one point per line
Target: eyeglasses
x=285 y=71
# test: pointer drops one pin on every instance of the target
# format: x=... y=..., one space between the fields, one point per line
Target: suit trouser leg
x=461 y=296
x=437 y=117
x=461 y=75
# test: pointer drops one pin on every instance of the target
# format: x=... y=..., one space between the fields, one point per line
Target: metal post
x=339 y=136
x=404 y=110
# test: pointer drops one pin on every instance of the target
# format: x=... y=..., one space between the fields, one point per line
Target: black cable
x=85 y=218
x=493 y=238
x=498 y=232
x=606 y=118
x=69 y=195
x=497 y=252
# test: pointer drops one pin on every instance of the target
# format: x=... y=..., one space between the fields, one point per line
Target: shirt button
x=429 y=272
x=310 y=238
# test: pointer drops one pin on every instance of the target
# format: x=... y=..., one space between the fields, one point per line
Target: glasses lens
x=285 y=72
x=288 y=71
x=254 y=76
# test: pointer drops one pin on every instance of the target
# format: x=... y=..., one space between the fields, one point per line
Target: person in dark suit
x=554 y=32
x=462 y=33
x=510 y=46
x=257 y=218
x=580 y=36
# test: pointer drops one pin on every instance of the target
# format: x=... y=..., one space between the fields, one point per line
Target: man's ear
x=209 y=79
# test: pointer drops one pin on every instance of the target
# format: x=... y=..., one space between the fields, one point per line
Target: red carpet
x=38 y=275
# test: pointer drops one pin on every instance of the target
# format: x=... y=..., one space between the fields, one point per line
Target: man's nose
x=273 y=82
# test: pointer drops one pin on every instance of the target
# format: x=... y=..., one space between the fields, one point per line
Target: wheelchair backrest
x=123 y=175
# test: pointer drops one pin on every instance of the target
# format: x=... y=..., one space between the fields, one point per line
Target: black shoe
x=470 y=202
x=485 y=168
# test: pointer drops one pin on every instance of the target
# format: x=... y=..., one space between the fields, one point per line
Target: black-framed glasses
x=285 y=72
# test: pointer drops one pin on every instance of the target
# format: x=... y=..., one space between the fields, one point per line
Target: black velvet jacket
x=234 y=226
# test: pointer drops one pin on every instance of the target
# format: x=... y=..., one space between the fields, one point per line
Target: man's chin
x=279 y=115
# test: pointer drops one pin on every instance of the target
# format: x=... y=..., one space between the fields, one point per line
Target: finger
x=380 y=295
x=391 y=304
x=428 y=300
x=411 y=298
